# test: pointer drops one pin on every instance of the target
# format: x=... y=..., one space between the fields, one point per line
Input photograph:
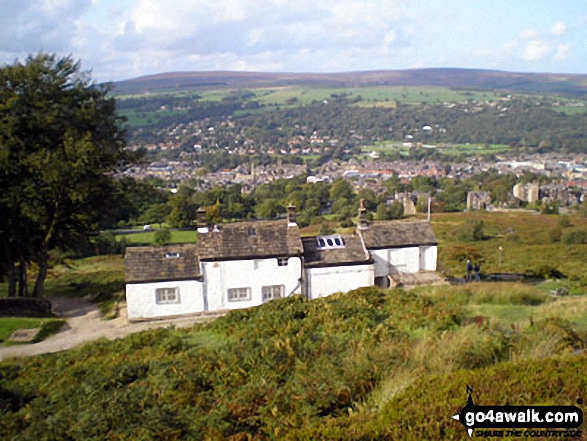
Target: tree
x=382 y=213
x=183 y=210
x=396 y=210
x=162 y=236
x=156 y=214
x=341 y=189
x=60 y=140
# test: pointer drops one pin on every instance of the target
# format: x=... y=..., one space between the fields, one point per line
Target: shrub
x=106 y=243
x=463 y=252
x=547 y=272
x=577 y=237
x=555 y=234
x=565 y=222
x=347 y=223
x=162 y=237
x=472 y=231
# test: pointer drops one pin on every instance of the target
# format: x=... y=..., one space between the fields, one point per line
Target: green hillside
x=369 y=364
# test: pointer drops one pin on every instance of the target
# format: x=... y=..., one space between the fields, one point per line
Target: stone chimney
x=201 y=218
x=291 y=216
x=363 y=216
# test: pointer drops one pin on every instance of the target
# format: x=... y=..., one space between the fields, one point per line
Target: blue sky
x=120 y=39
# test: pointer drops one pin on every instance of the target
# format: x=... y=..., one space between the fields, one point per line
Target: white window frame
x=167 y=295
x=239 y=294
x=272 y=292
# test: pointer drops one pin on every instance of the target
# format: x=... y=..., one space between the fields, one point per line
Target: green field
x=143 y=119
x=447 y=149
x=369 y=96
x=525 y=239
x=148 y=237
x=46 y=326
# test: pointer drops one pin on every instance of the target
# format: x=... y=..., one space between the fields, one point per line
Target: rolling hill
x=570 y=84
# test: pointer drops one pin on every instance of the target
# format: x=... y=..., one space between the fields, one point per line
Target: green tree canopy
x=60 y=140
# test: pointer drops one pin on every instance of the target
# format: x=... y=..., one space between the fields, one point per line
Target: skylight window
x=173 y=255
x=330 y=242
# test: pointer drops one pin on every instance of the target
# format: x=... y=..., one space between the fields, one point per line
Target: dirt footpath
x=84 y=324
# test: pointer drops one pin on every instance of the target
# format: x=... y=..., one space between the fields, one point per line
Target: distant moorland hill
x=571 y=84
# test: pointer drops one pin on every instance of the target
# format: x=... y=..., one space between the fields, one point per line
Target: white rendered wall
x=219 y=277
x=405 y=260
x=141 y=301
x=322 y=282
x=429 y=258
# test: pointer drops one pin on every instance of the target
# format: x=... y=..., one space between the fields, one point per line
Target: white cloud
x=562 y=51
x=536 y=50
x=529 y=34
x=559 y=28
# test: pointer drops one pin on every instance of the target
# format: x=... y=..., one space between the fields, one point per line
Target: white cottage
x=336 y=263
x=163 y=282
x=245 y=264
x=399 y=248
x=248 y=263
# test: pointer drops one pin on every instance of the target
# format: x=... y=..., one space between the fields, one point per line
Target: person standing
x=477 y=270
x=469 y=270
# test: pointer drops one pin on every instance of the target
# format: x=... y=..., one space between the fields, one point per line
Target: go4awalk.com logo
x=520 y=421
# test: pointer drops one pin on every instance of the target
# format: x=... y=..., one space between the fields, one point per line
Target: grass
x=369 y=364
x=447 y=149
x=99 y=278
x=380 y=96
x=512 y=304
x=148 y=237
x=523 y=237
x=47 y=326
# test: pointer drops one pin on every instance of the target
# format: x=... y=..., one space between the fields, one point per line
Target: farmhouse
x=245 y=264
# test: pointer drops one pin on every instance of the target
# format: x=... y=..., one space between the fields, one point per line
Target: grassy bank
x=369 y=364
x=529 y=243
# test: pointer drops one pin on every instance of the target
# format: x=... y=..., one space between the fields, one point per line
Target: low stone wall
x=24 y=307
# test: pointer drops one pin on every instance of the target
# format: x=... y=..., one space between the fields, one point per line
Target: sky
x=123 y=39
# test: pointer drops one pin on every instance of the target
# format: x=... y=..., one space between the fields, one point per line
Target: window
x=165 y=296
x=172 y=255
x=330 y=242
x=272 y=292
x=282 y=261
x=239 y=294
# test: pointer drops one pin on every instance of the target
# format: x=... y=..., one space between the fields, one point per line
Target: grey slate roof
x=395 y=234
x=158 y=264
x=250 y=240
x=352 y=254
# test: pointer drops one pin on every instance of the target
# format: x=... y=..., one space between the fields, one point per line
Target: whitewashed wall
x=428 y=258
x=405 y=260
x=141 y=299
x=322 y=282
x=219 y=277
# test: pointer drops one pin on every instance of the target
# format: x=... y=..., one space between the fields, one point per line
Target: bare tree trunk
x=43 y=255
x=22 y=288
x=9 y=262
x=11 y=280
x=43 y=262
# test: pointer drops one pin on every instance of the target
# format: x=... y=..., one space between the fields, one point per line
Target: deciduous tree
x=60 y=140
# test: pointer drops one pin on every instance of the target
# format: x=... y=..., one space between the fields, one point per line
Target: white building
x=245 y=264
x=163 y=281
x=336 y=263
x=399 y=248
